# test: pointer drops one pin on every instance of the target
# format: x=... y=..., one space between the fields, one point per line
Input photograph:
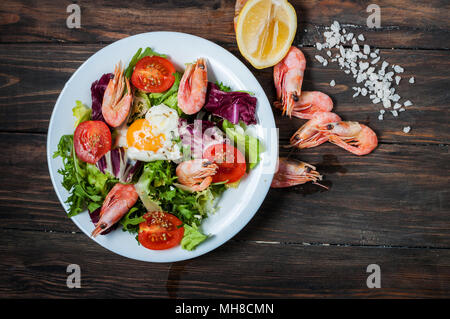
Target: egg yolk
x=140 y=136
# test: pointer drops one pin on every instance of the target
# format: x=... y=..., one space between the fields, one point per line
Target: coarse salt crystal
x=366 y=49
x=386 y=103
x=398 y=69
x=319 y=58
x=395 y=98
x=361 y=62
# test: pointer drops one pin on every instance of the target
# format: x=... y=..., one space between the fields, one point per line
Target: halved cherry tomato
x=92 y=140
x=160 y=231
x=153 y=74
x=230 y=160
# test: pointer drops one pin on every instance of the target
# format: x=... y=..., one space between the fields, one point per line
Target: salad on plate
x=156 y=149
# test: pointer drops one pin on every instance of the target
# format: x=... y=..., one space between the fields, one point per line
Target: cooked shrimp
x=292 y=172
x=195 y=175
x=288 y=78
x=116 y=105
x=237 y=9
x=193 y=86
x=308 y=135
x=356 y=138
x=309 y=102
x=117 y=203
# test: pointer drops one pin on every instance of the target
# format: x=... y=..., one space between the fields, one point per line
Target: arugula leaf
x=130 y=222
x=226 y=88
x=139 y=55
x=223 y=87
x=86 y=185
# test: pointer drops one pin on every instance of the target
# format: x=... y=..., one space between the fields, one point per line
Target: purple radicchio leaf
x=97 y=91
x=233 y=106
x=116 y=163
x=200 y=135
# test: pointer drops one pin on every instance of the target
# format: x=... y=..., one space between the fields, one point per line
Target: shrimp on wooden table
x=117 y=203
x=308 y=135
x=193 y=87
x=288 y=78
x=116 y=103
x=195 y=175
x=292 y=172
x=354 y=137
x=309 y=102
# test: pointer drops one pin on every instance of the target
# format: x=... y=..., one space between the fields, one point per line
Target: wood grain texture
x=32 y=76
x=235 y=270
x=390 y=207
x=396 y=183
x=406 y=23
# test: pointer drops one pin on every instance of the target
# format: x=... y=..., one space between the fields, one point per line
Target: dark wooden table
x=390 y=208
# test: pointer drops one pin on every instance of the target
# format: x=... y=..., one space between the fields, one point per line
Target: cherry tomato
x=160 y=231
x=91 y=140
x=230 y=160
x=153 y=74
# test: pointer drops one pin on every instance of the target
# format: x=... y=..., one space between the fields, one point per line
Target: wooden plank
x=396 y=196
x=405 y=23
x=33 y=264
x=32 y=76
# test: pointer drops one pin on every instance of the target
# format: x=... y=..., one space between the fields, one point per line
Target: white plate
x=237 y=206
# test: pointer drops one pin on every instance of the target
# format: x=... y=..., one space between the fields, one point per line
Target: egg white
x=164 y=120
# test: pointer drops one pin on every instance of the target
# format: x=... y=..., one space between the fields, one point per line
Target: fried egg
x=153 y=138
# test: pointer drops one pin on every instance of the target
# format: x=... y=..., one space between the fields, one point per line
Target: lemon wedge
x=265 y=31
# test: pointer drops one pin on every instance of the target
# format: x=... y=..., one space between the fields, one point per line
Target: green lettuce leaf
x=192 y=237
x=247 y=144
x=81 y=113
x=170 y=97
x=155 y=186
